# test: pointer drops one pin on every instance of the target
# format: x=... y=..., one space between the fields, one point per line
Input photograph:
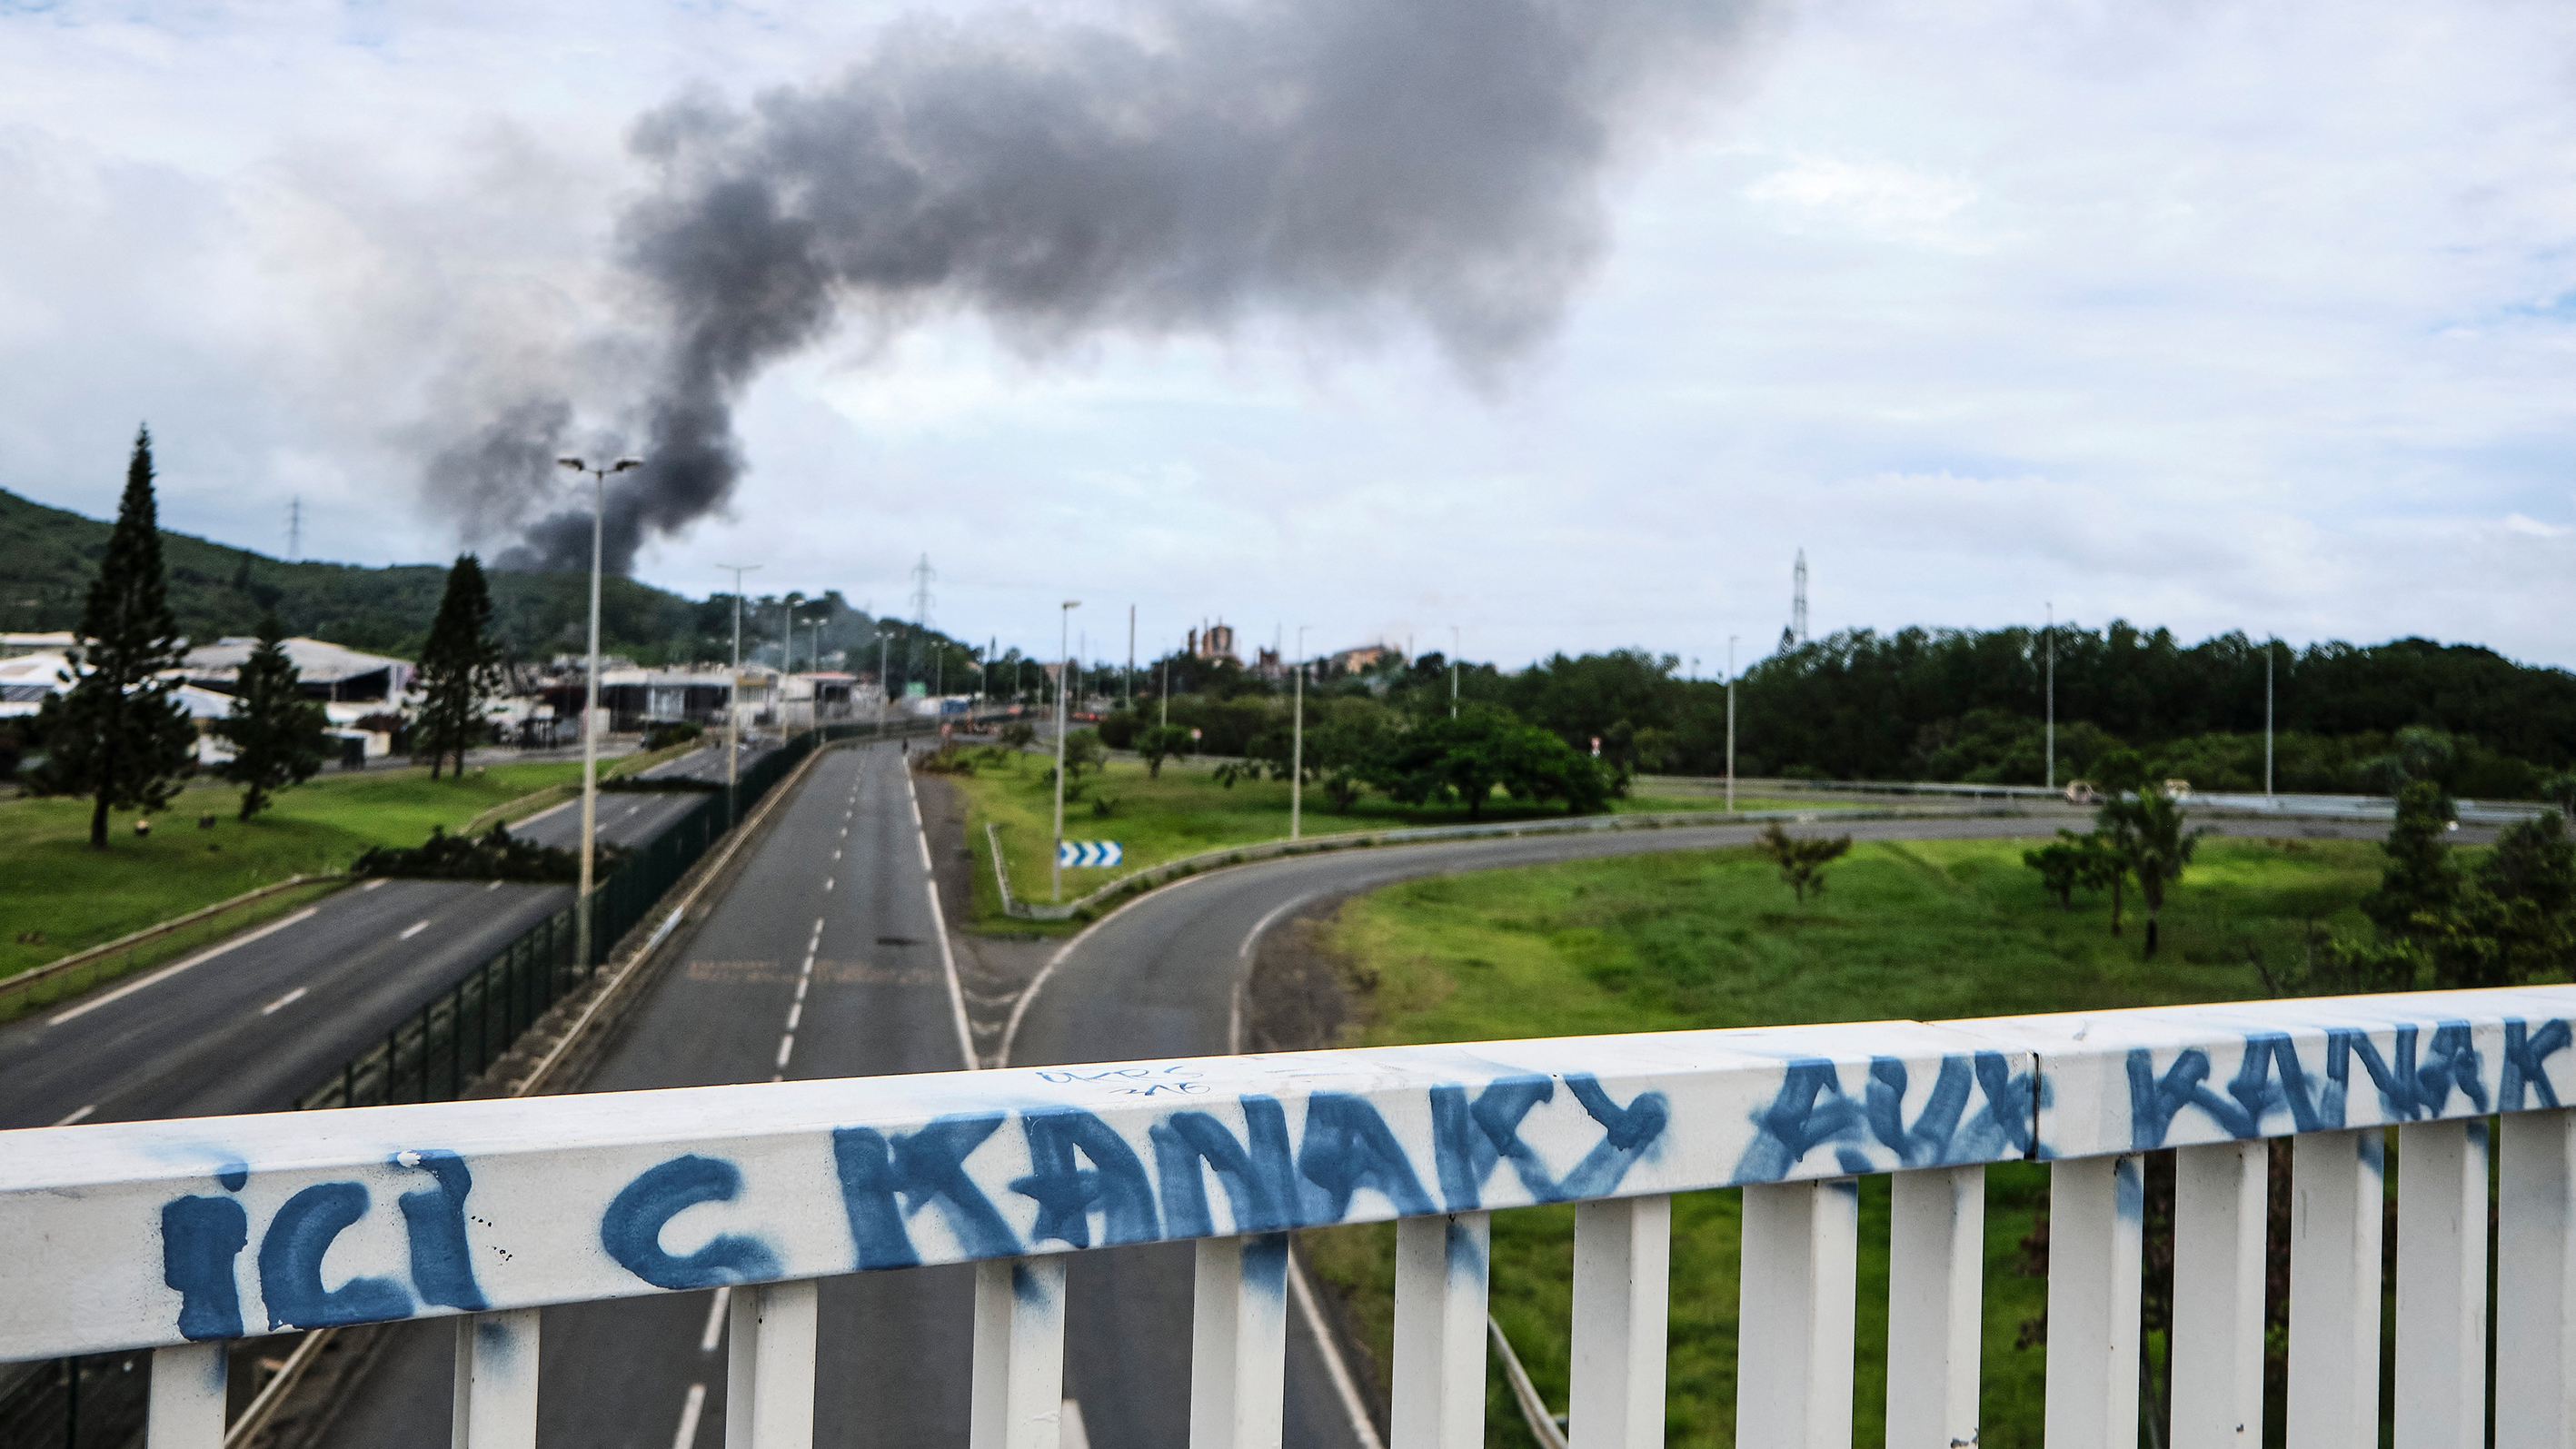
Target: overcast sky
x=2214 y=316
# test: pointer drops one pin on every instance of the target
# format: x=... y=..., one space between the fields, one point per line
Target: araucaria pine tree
x=277 y=735
x=117 y=735
x=460 y=666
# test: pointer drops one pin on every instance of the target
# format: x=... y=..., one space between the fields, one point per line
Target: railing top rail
x=138 y=1234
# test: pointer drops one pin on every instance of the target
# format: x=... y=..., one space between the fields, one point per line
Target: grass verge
x=1184 y=812
x=70 y=897
x=1924 y=930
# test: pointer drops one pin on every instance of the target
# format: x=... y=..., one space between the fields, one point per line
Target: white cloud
x=2202 y=316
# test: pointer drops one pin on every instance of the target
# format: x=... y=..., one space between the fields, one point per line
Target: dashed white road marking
x=289 y=999
x=373 y=884
x=414 y=929
x=786 y=1048
x=77 y=1116
x=836 y=855
x=689 y=1412
x=796 y=1013
x=494 y=886
x=166 y=972
x=708 y=1340
x=827 y=882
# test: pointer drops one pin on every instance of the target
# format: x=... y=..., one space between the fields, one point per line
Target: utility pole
x=733 y=694
x=1297 y=749
x=2051 y=637
x=1730 y=721
x=786 y=654
x=1064 y=666
x=1798 y=601
x=590 y=708
x=1453 y=671
x=881 y=683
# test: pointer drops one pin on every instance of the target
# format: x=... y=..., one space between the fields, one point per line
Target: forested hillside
x=1939 y=704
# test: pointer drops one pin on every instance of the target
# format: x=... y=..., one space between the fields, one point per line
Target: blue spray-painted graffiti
x=200 y=1237
x=2524 y=1051
x=442 y=1265
x=290 y=1263
x=1347 y=1147
x=1115 y=1183
x=883 y=1181
x=1260 y=1181
x=631 y=1229
x=1811 y=1110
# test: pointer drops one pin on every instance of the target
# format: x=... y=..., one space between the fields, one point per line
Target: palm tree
x=2147 y=829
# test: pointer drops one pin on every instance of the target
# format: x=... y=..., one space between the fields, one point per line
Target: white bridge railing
x=178 y=1235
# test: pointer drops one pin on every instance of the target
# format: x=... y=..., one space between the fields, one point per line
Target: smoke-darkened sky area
x=1562 y=322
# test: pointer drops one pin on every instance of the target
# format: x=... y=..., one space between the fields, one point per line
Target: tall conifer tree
x=276 y=733
x=459 y=667
x=117 y=735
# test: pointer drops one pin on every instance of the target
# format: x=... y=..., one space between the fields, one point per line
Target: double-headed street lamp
x=590 y=685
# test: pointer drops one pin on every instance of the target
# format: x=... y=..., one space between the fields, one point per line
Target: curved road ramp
x=175 y=1236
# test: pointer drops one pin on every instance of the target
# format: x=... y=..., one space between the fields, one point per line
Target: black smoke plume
x=1203 y=164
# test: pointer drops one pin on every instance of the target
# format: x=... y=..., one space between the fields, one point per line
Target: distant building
x=26 y=679
x=13 y=646
x=1365 y=656
x=1214 y=642
x=328 y=671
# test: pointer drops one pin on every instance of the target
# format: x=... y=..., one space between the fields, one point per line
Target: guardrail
x=486 y=1212
x=1150 y=876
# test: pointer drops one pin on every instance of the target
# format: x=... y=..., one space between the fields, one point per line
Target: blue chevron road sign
x=1088 y=852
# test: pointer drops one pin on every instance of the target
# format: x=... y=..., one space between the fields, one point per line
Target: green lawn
x=1924 y=930
x=1183 y=813
x=77 y=897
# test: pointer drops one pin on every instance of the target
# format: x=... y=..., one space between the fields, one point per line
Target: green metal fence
x=437 y=1052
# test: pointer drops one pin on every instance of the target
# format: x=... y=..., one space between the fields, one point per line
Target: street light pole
x=2268 y=646
x=2051 y=637
x=1064 y=665
x=881 y=683
x=590 y=690
x=1730 y=720
x=1297 y=750
x=733 y=693
x=1453 y=671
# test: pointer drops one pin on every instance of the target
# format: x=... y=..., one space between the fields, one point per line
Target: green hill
x=217 y=590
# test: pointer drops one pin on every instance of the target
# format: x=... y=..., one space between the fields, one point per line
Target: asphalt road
x=824 y=959
x=1162 y=978
x=253 y=1023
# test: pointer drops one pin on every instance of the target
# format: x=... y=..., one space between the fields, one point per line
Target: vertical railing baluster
x=2442 y=1284
x=1441 y=1274
x=1018 y=1393
x=1239 y=1342
x=1622 y=1296
x=2535 y=1349
x=2336 y=1201
x=496 y=1367
x=2096 y=1209
x=769 y=1371
x=2216 y=1362
x=1935 y=1302
x=1794 y=1348
x=187 y=1408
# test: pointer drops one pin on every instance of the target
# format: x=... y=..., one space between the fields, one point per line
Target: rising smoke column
x=1344 y=162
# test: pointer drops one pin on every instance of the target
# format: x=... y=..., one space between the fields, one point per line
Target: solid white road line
x=939 y=928
x=708 y=1340
x=289 y=999
x=414 y=929
x=77 y=1116
x=166 y=972
x=689 y=1411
